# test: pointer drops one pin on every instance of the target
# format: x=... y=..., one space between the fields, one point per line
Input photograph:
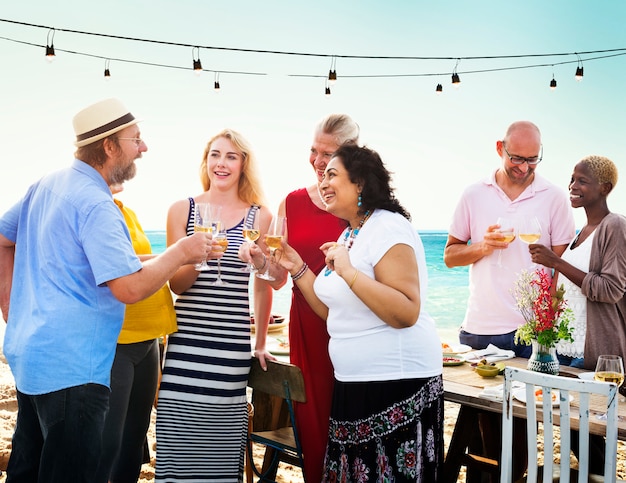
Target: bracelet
x=356 y=274
x=300 y=272
x=264 y=263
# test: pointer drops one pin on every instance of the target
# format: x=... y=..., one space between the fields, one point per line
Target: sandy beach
x=287 y=474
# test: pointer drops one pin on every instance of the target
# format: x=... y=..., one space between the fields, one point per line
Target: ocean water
x=447 y=287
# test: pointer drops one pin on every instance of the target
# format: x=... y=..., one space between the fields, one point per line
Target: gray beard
x=120 y=175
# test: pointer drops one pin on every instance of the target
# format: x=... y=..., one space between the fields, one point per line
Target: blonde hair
x=250 y=190
x=602 y=168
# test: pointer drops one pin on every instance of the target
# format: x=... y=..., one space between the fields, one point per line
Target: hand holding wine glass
x=506 y=233
x=251 y=231
x=202 y=223
x=273 y=240
x=221 y=237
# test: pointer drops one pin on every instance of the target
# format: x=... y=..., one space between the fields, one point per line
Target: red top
x=308 y=227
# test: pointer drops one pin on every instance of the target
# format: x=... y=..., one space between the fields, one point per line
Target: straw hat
x=101 y=120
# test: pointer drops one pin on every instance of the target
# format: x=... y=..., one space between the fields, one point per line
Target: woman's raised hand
x=337 y=257
x=287 y=257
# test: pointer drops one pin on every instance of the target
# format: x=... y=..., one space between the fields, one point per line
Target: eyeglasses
x=137 y=141
x=518 y=160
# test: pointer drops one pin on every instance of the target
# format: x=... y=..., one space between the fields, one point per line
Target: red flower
x=546 y=314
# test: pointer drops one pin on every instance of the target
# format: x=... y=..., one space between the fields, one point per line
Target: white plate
x=277 y=348
x=456 y=349
x=520 y=395
x=587 y=376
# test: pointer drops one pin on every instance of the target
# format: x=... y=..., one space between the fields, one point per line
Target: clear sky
x=434 y=145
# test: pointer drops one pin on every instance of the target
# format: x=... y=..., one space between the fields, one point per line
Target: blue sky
x=435 y=145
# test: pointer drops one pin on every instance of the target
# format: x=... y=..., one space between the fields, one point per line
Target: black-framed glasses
x=518 y=160
x=137 y=141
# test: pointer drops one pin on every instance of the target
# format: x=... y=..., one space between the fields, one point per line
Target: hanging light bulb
x=553 y=83
x=197 y=65
x=579 y=73
x=50 y=55
x=107 y=72
x=216 y=84
x=456 y=80
x=439 y=89
x=327 y=89
x=579 y=69
x=332 y=73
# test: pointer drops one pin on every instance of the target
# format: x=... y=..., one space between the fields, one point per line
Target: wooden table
x=462 y=385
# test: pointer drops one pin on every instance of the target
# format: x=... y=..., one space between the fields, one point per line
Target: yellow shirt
x=154 y=316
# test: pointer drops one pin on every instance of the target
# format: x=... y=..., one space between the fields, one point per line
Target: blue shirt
x=70 y=239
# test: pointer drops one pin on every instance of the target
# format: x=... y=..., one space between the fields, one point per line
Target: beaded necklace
x=351 y=234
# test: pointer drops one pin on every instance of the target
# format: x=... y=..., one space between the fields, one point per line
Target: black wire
x=308 y=54
x=609 y=52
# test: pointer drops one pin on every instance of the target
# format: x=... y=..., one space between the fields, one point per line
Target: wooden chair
x=282 y=444
x=559 y=413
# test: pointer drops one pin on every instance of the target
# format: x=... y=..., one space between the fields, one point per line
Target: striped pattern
x=202 y=414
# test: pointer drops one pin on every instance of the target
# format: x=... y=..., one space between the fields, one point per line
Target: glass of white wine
x=507 y=234
x=273 y=240
x=609 y=368
x=220 y=236
x=251 y=231
x=529 y=230
x=202 y=223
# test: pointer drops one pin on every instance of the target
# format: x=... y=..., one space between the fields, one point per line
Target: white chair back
x=555 y=408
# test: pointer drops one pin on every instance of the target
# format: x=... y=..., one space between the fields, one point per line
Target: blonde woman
x=202 y=417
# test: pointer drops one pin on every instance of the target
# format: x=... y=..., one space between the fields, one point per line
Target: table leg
x=465 y=430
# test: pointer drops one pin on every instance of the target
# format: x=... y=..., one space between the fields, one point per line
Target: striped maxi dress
x=202 y=412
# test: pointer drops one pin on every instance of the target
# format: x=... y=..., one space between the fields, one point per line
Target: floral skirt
x=386 y=431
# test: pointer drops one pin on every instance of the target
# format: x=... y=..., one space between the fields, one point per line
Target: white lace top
x=579 y=258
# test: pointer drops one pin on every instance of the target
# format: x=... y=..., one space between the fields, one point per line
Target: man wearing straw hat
x=67 y=269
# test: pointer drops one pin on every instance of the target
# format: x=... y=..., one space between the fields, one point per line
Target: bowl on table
x=487 y=370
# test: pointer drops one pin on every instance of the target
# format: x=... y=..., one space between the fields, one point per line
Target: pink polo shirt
x=491 y=308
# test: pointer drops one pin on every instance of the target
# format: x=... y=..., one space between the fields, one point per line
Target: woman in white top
x=387 y=413
x=594 y=177
x=593 y=271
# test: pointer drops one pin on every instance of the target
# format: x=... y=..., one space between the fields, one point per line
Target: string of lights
x=332 y=75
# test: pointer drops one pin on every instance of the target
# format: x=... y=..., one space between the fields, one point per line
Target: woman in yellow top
x=135 y=371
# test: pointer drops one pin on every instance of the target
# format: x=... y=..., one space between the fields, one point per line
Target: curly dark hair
x=366 y=168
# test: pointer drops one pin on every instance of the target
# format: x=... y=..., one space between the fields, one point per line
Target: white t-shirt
x=362 y=347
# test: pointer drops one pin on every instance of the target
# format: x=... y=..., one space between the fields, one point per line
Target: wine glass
x=529 y=230
x=220 y=236
x=202 y=223
x=609 y=368
x=273 y=240
x=507 y=234
x=251 y=231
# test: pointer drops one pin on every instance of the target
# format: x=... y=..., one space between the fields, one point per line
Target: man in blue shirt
x=67 y=269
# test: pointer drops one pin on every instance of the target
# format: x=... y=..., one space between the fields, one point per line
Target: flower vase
x=543 y=359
